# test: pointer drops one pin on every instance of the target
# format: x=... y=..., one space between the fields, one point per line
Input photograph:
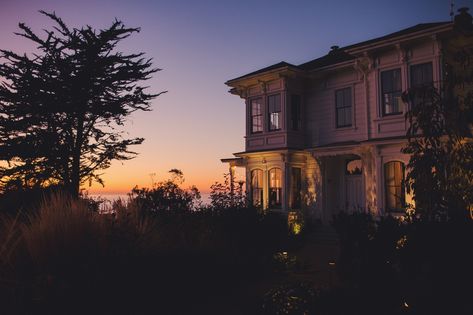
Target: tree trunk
x=76 y=154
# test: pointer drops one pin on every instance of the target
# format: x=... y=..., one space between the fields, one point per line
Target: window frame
x=275 y=189
x=399 y=92
x=350 y=88
x=400 y=186
x=411 y=66
x=279 y=113
x=259 y=189
x=421 y=92
x=260 y=115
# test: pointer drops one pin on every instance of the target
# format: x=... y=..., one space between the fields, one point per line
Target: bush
x=420 y=263
x=68 y=259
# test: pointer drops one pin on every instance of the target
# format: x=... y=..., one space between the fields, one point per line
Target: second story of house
x=350 y=95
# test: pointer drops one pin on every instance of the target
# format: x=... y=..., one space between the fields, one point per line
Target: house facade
x=326 y=136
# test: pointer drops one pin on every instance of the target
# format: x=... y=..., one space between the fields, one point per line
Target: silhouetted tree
x=440 y=134
x=61 y=108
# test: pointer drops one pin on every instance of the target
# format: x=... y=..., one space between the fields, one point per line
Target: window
x=421 y=75
x=391 y=92
x=257 y=188
x=296 y=112
x=275 y=188
x=295 y=188
x=421 y=83
x=394 y=185
x=353 y=167
x=256 y=116
x=343 y=107
x=274 y=112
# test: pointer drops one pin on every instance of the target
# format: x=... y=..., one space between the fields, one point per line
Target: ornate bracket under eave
x=364 y=65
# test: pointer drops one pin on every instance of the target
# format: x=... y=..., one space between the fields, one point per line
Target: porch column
x=286 y=185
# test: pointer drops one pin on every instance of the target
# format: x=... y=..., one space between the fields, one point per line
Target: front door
x=353 y=193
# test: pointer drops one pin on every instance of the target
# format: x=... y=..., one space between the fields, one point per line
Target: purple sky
x=200 y=45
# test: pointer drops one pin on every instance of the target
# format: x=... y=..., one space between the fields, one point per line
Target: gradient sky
x=200 y=45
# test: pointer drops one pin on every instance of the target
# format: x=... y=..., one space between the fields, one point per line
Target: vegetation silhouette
x=61 y=108
x=440 y=137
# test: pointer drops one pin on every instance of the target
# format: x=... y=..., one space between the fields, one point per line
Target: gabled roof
x=340 y=55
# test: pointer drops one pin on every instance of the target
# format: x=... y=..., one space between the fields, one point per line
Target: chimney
x=463 y=20
x=333 y=49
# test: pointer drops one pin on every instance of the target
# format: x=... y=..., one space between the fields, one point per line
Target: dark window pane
x=421 y=82
x=421 y=75
x=343 y=104
x=274 y=112
x=256 y=116
x=391 y=92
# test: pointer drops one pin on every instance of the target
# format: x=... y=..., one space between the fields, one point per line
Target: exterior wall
x=399 y=58
x=320 y=111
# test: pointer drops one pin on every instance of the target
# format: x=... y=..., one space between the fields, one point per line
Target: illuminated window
x=275 y=187
x=391 y=91
x=274 y=112
x=257 y=188
x=343 y=107
x=295 y=188
x=394 y=185
x=296 y=112
x=353 y=167
x=256 y=116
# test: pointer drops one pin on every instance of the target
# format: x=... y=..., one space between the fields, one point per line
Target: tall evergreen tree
x=61 y=109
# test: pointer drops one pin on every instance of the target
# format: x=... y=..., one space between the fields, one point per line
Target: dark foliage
x=418 y=266
x=227 y=194
x=167 y=196
x=61 y=109
x=135 y=262
x=440 y=139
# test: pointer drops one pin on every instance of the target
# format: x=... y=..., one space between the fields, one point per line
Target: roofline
x=342 y=64
x=267 y=151
x=231 y=82
x=380 y=42
x=353 y=49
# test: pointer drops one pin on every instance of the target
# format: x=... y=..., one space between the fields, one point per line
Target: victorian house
x=326 y=135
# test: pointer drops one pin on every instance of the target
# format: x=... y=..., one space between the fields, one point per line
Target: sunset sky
x=200 y=45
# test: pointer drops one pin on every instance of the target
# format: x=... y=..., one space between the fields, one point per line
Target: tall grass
x=66 y=254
